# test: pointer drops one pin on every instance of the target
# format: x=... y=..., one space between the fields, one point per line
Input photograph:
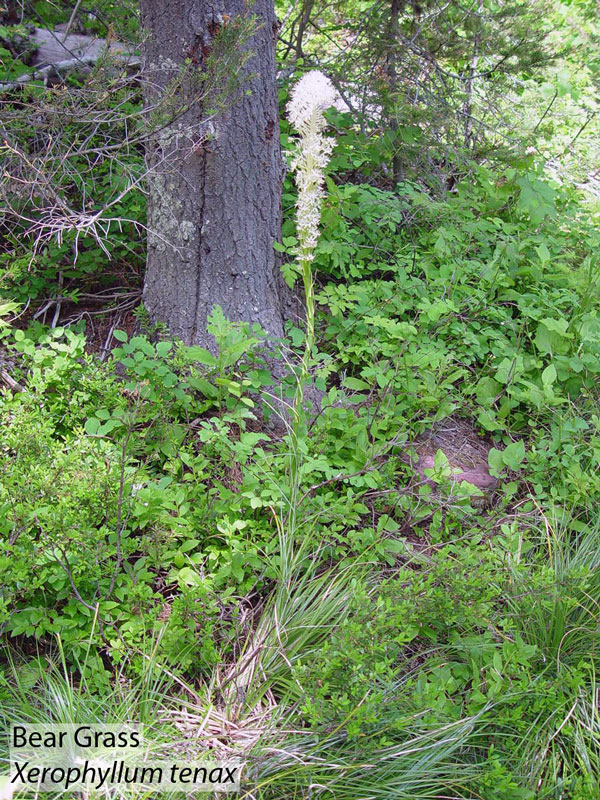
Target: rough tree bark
x=392 y=73
x=214 y=206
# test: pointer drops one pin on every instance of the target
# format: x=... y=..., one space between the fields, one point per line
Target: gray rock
x=53 y=48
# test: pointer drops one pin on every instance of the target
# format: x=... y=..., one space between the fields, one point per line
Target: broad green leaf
x=513 y=454
x=559 y=325
x=543 y=253
x=91 y=426
x=356 y=383
x=495 y=462
x=552 y=337
x=189 y=577
x=202 y=355
x=441 y=463
x=549 y=375
x=486 y=391
x=163 y=348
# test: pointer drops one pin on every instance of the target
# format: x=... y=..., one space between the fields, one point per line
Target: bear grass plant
x=46 y=690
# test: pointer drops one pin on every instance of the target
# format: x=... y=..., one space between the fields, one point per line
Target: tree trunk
x=469 y=138
x=214 y=204
x=393 y=35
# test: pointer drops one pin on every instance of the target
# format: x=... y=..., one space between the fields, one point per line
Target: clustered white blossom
x=313 y=93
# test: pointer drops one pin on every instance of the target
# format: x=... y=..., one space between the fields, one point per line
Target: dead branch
x=10 y=381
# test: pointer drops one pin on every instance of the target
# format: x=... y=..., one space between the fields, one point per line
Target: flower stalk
x=313 y=93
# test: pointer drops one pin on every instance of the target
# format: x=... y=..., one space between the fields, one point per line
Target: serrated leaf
x=290 y=274
x=204 y=386
x=202 y=355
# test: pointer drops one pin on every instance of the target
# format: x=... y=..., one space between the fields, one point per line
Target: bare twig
x=10 y=381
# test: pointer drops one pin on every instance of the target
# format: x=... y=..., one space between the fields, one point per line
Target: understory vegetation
x=335 y=604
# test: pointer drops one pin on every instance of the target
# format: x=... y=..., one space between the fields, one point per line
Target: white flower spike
x=313 y=93
x=310 y=97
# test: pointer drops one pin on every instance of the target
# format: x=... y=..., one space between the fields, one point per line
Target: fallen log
x=57 y=54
